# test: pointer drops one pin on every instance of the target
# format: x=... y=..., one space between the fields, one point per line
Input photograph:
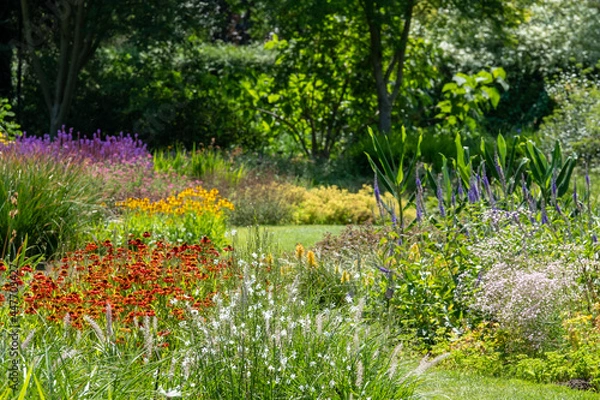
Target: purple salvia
x=594 y=238
x=587 y=180
x=114 y=149
x=440 y=197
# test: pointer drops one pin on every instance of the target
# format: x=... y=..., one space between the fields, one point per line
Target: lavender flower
x=123 y=149
x=488 y=189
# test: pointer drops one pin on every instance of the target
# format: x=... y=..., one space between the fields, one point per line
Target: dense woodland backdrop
x=304 y=77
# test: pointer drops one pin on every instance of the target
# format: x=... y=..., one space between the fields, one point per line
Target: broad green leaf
x=449 y=86
x=499 y=73
x=272 y=98
x=492 y=94
x=501 y=149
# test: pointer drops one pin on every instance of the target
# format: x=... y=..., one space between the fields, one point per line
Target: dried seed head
x=96 y=328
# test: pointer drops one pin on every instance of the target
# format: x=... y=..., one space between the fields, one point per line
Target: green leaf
x=492 y=94
x=449 y=86
x=499 y=73
x=501 y=143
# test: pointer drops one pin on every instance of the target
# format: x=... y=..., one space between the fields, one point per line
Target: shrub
x=50 y=203
x=574 y=123
x=281 y=203
x=266 y=203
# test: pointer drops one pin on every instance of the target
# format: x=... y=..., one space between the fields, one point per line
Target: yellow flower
x=192 y=200
x=299 y=251
x=311 y=259
x=345 y=276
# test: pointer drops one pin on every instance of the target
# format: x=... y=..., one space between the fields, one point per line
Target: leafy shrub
x=575 y=122
x=332 y=205
x=266 y=203
x=8 y=129
x=50 y=203
x=281 y=203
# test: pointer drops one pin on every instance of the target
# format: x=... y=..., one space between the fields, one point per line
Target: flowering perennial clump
x=120 y=149
x=195 y=200
x=138 y=281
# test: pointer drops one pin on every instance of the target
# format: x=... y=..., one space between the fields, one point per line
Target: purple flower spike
x=383 y=269
x=440 y=197
x=545 y=220
x=500 y=171
x=594 y=238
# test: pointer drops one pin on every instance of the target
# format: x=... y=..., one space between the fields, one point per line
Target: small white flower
x=171 y=393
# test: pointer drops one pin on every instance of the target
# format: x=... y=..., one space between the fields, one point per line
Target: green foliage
x=553 y=178
x=469 y=96
x=310 y=103
x=8 y=129
x=50 y=203
x=208 y=164
x=283 y=203
x=574 y=121
x=392 y=172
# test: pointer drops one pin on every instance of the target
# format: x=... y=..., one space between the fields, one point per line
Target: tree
x=62 y=37
x=388 y=26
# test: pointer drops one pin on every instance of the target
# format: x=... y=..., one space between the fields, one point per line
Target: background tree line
x=302 y=77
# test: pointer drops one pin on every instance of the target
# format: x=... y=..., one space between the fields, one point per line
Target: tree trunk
x=75 y=49
x=385 y=99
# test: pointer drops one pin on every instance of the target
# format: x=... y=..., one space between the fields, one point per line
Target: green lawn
x=455 y=385
x=286 y=237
